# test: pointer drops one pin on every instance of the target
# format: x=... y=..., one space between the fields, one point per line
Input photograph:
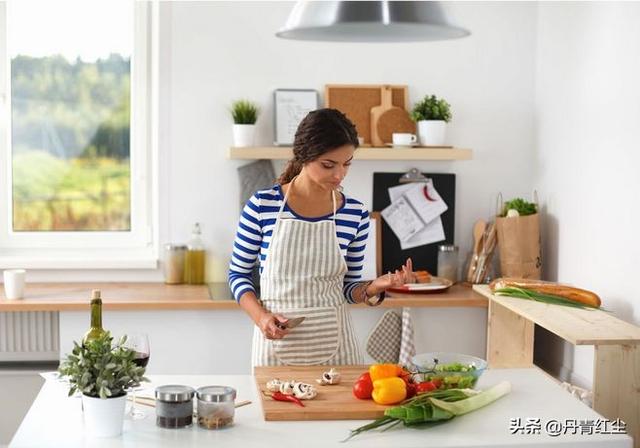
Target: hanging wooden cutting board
x=394 y=120
x=385 y=107
x=334 y=402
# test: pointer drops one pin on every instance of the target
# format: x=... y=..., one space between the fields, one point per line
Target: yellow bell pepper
x=379 y=371
x=389 y=390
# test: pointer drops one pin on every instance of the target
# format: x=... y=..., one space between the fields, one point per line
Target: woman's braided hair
x=322 y=130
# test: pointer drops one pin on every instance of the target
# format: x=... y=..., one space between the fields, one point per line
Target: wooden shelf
x=616 y=382
x=123 y=296
x=363 y=153
x=580 y=327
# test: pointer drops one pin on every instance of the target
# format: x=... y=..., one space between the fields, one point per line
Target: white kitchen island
x=55 y=420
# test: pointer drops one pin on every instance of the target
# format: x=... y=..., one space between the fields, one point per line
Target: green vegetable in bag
x=521 y=206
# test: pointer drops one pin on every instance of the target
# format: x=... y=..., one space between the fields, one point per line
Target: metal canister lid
x=174 y=393
x=175 y=247
x=448 y=248
x=216 y=394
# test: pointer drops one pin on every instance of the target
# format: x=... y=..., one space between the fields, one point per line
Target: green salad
x=453 y=376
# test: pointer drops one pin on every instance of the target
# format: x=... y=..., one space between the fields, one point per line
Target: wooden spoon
x=478 y=230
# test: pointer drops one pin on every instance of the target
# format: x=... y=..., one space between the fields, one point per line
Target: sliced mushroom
x=330 y=377
x=274 y=385
x=304 y=391
x=286 y=387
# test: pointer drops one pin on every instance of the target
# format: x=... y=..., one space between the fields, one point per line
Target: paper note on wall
x=427 y=203
x=402 y=219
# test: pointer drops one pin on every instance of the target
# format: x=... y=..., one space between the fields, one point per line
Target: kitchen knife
x=291 y=323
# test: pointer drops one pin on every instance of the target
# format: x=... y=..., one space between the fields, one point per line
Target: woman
x=310 y=239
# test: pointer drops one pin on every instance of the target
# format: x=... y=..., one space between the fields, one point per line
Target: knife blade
x=292 y=323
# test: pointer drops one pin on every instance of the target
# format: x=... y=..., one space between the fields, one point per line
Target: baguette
x=557 y=289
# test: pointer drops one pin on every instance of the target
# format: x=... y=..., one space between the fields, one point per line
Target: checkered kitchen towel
x=391 y=340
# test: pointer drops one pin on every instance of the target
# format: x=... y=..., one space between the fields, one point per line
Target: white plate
x=436 y=284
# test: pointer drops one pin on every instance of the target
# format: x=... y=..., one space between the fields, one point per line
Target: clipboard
x=423 y=257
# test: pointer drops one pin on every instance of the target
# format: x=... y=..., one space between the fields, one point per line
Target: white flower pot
x=432 y=132
x=243 y=135
x=103 y=418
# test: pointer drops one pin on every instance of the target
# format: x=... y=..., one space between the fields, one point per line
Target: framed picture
x=290 y=107
x=372 y=267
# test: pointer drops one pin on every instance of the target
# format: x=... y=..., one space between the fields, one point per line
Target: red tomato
x=365 y=377
x=411 y=390
x=425 y=386
x=362 y=389
x=437 y=383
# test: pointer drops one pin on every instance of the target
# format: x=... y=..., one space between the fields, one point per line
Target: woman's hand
x=269 y=325
x=393 y=279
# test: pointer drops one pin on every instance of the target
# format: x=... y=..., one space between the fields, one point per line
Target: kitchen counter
x=158 y=296
x=56 y=420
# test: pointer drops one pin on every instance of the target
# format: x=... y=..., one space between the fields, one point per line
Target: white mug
x=14 y=283
x=403 y=139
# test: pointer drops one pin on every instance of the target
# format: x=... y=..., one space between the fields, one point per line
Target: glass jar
x=174 y=255
x=216 y=406
x=174 y=406
x=448 y=262
x=194 y=265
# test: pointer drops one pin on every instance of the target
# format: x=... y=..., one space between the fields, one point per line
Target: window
x=75 y=133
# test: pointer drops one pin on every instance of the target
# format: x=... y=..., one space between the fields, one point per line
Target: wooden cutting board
x=394 y=120
x=334 y=402
x=384 y=109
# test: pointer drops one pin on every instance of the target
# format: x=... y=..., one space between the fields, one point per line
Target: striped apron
x=303 y=276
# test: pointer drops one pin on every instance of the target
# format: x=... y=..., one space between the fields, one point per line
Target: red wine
x=141 y=359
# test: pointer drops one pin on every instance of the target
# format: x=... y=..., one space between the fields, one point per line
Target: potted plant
x=432 y=115
x=245 y=114
x=102 y=372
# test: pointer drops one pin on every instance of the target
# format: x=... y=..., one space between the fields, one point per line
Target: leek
x=435 y=406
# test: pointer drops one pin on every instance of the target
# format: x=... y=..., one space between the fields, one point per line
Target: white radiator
x=29 y=336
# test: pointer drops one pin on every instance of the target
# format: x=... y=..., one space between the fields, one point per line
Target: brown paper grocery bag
x=520 y=248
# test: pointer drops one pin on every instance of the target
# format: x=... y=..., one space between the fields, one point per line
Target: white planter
x=432 y=132
x=243 y=135
x=103 y=418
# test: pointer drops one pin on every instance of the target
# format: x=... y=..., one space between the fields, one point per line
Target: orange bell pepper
x=379 y=371
x=389 y=390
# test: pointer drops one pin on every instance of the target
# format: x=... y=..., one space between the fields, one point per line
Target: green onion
x=523 y=293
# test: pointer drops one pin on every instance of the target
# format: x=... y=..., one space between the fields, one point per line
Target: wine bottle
x=96 y=330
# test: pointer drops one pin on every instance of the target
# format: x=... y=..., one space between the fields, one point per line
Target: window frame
x=136 y=248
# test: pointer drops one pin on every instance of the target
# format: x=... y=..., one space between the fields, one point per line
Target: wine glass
x=139 y=343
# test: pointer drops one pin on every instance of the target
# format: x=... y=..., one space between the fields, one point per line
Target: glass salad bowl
x=449 y=370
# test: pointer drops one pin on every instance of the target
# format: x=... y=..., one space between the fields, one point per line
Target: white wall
x=587 y=154
x=215 y=52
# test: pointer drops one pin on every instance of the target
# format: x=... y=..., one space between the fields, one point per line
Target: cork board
x=356 y=101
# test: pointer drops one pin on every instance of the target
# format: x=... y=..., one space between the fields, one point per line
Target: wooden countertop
x=158 y=296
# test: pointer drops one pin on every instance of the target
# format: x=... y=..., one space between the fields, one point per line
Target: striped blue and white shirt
x=256 y=227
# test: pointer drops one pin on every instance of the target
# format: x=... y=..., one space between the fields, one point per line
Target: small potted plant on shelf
x=102 y=372
x=245 y=114
x=432 y=115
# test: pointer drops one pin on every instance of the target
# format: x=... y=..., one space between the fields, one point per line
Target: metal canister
x=174 y=406
x=216 y=406
x=174 y=263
